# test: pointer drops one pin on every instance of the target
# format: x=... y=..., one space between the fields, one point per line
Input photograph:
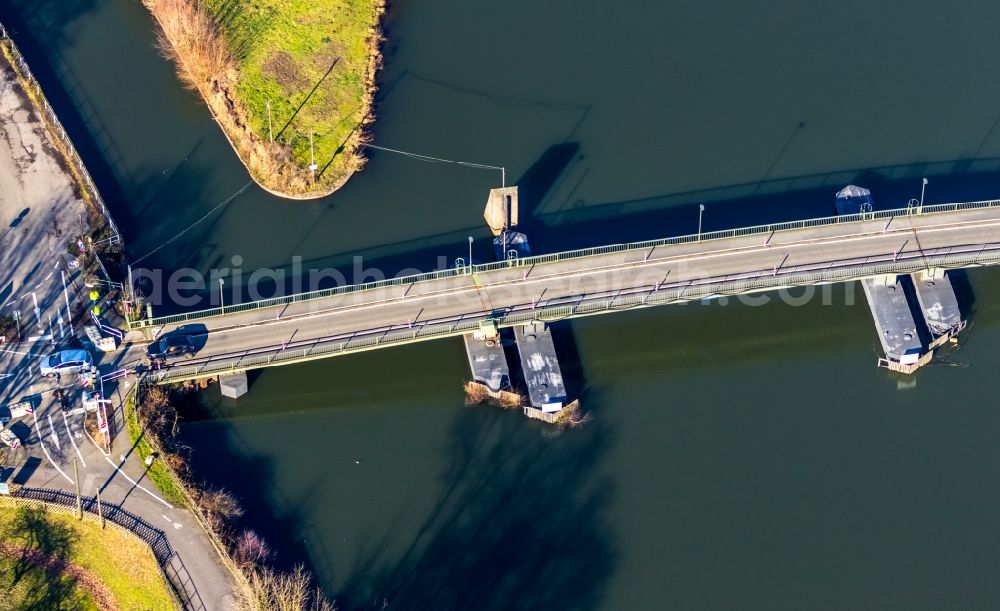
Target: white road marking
x=176 y=525
x=16 y=352
x=653 y=262
x=55 y=435
x=66 y=296
x=135 y=483
x=659 y=261
x=741 y=250
x=38 y=430
x=75 y=447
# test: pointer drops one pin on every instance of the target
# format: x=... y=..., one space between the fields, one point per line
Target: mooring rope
x=192 y=225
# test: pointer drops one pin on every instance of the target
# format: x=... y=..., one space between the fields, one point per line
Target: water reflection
x=518 y=524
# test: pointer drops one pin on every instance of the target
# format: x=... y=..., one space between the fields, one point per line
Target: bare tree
x=250 y=550
x=220 y=508
x=158 y=415
x=269 y=590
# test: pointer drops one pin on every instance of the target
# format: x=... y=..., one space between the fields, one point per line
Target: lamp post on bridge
x=923 y=187
x=222 y=296
x=470 y=252
x=701 y=210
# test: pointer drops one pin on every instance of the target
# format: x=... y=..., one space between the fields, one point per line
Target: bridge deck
x=577 y=286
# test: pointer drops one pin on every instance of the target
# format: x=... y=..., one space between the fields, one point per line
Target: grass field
x=294 y=69
x=158 y=472
x=124 y=565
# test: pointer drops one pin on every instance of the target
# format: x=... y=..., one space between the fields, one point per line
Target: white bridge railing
x=585 y=305
x=560 y=256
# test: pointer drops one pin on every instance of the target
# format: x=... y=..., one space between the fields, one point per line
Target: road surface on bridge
x=465 y=297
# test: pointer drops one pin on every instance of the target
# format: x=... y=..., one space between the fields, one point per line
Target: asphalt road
x=578 y=280
x=40 y=214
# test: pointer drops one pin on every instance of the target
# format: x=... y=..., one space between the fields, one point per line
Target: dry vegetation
x=572 y=416
x=312 y=64
x=478 y=394
x=272 y=591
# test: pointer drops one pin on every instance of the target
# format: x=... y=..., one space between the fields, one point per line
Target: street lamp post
x=701 y=210
x=470 y=252
x=923 y=187
x=222 y=296
x=312 y=157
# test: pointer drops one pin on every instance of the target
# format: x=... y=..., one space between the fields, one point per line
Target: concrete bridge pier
x=234 y=385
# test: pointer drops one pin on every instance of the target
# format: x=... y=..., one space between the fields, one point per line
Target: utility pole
x=100 y=512
x=312 y=157
x=270 y=133
x=76 y=476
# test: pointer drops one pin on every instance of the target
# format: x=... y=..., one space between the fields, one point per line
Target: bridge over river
x=567 y=285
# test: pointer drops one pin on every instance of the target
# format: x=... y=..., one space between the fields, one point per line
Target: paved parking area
x=40 y=214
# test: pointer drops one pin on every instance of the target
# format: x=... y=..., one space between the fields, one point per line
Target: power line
x=192 y=225
x=429 y=159
x=417 y=156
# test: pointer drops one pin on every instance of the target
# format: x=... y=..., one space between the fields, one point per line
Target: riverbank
x=153 y=427
x=290 y=82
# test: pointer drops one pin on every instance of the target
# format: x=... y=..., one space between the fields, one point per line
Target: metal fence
x=764 y=280
x=564 y=256
x=58 y=131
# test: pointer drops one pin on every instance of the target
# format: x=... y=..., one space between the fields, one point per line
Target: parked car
x=170 y=346
x=67 y=361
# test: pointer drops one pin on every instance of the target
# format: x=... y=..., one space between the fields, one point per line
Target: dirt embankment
x=206 y=62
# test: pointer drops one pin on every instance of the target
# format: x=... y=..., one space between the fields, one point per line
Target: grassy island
x=289 y=81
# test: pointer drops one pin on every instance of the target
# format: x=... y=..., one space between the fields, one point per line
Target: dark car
x=171 y=346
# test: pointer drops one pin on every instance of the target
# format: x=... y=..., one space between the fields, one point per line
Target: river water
x=740 y=455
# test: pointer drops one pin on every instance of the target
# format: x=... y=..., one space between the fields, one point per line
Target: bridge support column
x=234 y=385
x=934 y=273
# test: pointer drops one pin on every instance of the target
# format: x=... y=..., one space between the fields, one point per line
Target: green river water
x=739 y=457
